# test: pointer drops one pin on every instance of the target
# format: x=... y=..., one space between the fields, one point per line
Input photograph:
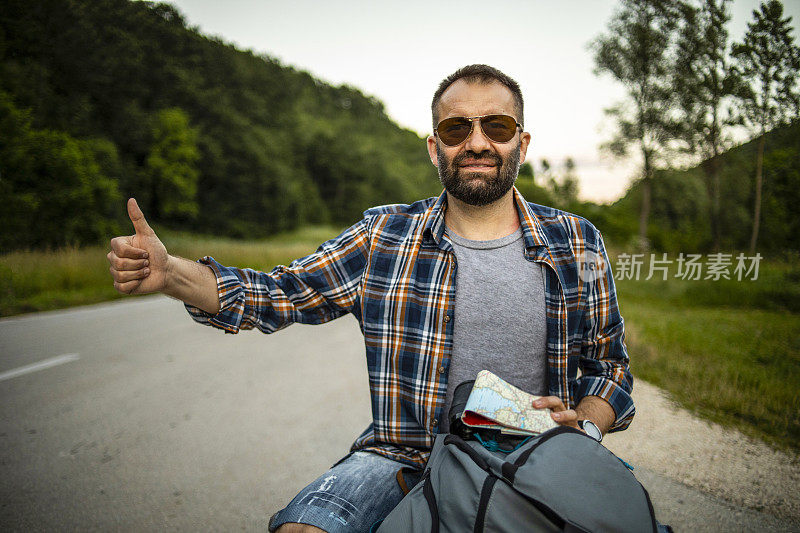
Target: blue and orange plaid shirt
x=395 y=272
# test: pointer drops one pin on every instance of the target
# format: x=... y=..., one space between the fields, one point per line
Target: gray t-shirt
x=499 y=316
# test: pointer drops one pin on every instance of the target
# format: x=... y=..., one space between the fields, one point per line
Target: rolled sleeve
x=230 y=290
x=312 y=290
x=604 y=358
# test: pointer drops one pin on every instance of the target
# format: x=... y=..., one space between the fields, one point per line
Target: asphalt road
x=140 y=420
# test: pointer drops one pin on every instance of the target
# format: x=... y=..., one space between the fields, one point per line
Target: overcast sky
x=399 y=51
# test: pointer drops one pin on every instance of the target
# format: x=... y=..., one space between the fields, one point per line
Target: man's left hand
x=591 y=408
x=562 y=415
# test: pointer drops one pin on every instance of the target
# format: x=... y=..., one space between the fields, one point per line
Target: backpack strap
x=401 y=479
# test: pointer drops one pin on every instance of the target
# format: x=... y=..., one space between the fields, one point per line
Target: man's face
x=478 y=171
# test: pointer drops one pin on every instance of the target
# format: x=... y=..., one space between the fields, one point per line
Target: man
x=442 y=288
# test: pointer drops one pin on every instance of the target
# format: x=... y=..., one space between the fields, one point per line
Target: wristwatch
x=591 y=429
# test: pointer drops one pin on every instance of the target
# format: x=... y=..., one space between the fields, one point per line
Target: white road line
x=41 y=365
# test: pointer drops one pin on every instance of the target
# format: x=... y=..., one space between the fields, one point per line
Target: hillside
x=105 y=99
x=679 y=220
x=102 y=99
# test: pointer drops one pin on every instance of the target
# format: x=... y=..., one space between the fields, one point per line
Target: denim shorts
x=354 y=494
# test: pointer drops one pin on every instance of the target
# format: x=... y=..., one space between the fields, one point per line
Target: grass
x=728 y=350
x=44 y=280
x=262 y=255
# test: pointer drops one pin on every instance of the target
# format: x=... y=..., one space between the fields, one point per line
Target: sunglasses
x=498 y=128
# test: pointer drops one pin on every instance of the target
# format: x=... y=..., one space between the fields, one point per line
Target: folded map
x=497 y=404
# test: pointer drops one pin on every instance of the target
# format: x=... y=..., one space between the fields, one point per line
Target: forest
x=105 y=99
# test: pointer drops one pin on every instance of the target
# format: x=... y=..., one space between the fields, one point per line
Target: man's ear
x=524 y=142
x=432 y=151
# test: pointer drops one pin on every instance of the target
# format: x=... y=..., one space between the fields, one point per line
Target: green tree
x=106 y=68
x=564 y=188
x=526 y=173
x=636 y=52
x=769 y=62
x=526 y=184
x=53 y=189
x=704 y=82
x=170 y=168
x=546 y=173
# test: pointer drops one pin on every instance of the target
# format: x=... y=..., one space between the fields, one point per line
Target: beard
x=478 y=188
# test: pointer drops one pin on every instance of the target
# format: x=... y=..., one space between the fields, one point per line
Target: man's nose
x=477 y=141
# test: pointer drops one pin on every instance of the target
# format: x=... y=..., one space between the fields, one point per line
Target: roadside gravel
x=669 y=440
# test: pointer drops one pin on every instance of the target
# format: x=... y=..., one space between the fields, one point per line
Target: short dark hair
x=478 y=74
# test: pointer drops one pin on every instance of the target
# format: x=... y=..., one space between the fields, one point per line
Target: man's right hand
x=139 y=261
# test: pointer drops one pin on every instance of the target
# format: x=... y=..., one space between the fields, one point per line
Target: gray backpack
x=560 y=480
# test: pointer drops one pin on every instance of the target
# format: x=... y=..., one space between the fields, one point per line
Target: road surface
x=129 y=416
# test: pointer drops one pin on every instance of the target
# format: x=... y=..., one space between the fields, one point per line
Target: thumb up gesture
x=138 y=262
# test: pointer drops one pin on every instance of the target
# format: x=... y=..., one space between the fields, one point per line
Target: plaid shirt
x=395 y=271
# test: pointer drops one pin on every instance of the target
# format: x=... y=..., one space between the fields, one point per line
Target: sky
x=400 y=51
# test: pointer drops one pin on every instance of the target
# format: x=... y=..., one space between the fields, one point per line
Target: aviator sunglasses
x=498 y=128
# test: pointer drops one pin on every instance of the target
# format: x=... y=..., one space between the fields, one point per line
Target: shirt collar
x=531 y=228
x=434 y=223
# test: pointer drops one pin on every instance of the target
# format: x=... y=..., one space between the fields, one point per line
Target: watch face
x=592 y=430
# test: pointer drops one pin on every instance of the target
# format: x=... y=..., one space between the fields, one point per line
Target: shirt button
x=441 y=370
x=447 y=318
x=435 y=422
